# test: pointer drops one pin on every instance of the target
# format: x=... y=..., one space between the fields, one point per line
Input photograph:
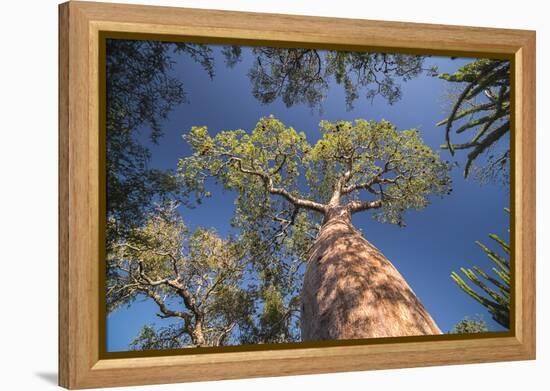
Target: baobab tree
x=350 y=290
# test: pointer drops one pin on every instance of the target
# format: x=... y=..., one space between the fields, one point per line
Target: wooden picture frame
x=81 y=364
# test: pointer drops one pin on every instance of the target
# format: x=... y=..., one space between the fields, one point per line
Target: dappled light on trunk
x=352 y=291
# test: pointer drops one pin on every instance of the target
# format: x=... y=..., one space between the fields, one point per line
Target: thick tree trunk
x=197 y=334
x=352 y=291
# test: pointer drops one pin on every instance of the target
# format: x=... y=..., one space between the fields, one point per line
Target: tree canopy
x=470 y=326
x=141 y=91
x=362 y=165
x=303 y=75
x=195 y=278
x=483 y=106
x=246 y=289
x=286 y=186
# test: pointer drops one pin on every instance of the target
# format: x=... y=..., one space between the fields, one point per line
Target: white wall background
x=28 y=193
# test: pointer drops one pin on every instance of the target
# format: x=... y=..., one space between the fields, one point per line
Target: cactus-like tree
x=482 y=106
x=493 y=291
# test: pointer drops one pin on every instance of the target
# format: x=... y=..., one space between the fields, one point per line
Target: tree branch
x=188 y=300
x=359 y=206
x=268 y=181
x=224 y=333
x=166 y=312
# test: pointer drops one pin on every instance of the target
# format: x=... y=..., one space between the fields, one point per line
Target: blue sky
x=437 y=240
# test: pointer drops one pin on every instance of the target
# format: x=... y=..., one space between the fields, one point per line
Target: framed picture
x=247 y=195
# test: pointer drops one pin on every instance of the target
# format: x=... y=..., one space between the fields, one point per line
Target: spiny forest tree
x=195 y=279
x=350 y=290
x=494 y=289
x=303 y=75
x=482 y=109
x=470 y=326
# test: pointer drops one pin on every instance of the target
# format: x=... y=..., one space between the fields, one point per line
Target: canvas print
x=261 y=195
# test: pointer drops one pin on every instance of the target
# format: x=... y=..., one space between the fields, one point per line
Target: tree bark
x=352 y=291
x=197 y=334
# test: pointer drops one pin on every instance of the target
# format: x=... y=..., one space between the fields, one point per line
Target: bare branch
x=280 y=166
x=188 y=300
x=166 y=312
x=358 y=206
x=268 y=181
x=219 y=279
x=224 y=333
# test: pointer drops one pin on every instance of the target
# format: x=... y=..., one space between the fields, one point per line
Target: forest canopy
x=241 y=281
